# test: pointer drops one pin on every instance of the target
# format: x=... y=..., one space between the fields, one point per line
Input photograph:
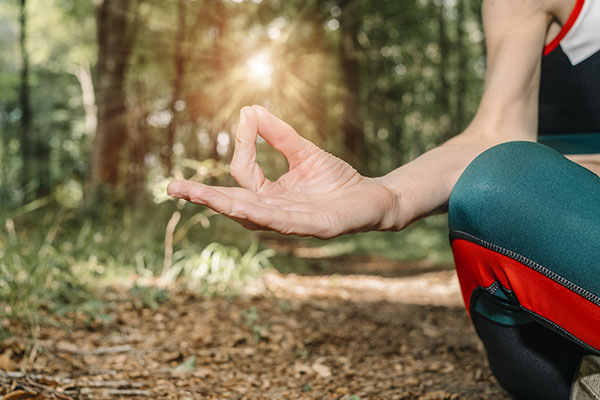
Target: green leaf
x=187 y=365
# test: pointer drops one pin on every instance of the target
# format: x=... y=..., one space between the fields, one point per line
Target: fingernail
x=243 y=115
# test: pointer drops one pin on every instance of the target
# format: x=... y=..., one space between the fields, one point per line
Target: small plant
x=251 y=317
x=149 y=296
x=217 y=268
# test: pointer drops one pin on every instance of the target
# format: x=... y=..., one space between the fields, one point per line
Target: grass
x=58 y=259
x=426 y=240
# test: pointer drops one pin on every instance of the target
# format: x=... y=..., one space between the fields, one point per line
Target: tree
x=461 y=90
x=117 y=22
x=25 y=125
x=350 y=66
x=179 y=66
x=444 y=93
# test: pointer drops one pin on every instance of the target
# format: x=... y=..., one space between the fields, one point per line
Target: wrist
x=398 y=212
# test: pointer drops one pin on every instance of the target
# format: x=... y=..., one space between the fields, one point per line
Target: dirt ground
x=300 y=337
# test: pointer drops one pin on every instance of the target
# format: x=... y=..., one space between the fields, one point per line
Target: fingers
x=244 y=167
x=282 y=136
x=202 y=194
x=250 y=210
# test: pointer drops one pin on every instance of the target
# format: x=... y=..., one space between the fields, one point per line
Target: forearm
x=422 y=187
x=515 y=32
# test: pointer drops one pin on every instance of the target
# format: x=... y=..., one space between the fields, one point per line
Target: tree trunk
x=351 y=125
x=461 y=90
x=25 y=126
x=179 y=64
x=444 y=65
x=116 y=31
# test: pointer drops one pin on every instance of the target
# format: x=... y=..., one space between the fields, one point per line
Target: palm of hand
x=317 y=173
x=319 y=196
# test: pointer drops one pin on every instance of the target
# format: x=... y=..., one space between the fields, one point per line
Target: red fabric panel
x=565 y=29
x=477 y=266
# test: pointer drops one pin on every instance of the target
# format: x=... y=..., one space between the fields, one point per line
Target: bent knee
x=499 y=184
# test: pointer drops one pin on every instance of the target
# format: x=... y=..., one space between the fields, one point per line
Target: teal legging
x=525 y=233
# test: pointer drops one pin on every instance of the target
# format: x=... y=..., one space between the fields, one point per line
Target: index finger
x=281 y=136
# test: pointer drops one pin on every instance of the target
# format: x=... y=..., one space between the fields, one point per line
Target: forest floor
x=379 y=331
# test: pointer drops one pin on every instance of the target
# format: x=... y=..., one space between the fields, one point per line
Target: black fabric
x=530 y=361
x=569 y=100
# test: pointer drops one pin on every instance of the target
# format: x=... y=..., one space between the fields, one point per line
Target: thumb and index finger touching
x=257 y=120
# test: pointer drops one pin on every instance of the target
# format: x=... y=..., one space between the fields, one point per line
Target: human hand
x=320 y=195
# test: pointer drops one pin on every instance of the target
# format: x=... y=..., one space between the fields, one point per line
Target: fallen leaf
x=24 y=395
x=187 y=365
x=322 y=370
x=203 y=373
x=5 y=362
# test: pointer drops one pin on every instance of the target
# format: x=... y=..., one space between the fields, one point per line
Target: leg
x=524 y=225
x=529 y=360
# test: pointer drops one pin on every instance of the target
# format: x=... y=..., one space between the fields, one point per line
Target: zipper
x=561 y=330
x=586 y=294
x=542 y=270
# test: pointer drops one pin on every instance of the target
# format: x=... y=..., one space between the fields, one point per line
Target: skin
x=323 y=196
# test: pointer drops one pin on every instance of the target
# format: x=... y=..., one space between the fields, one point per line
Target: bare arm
x=323 y=196
x=515 y=32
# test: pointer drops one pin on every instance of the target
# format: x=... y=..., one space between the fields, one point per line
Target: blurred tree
x=356 y=151
x=461 y=90
x=444 y=61
x=179 y=65
x=25 y=120
x=374 y=82
x=117 y=22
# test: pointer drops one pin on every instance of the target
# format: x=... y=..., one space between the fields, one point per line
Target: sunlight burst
x=260 y=67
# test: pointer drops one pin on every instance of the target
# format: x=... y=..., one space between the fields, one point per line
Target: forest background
x=102 y=102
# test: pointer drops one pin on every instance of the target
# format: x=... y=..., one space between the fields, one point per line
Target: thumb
x=244 y=167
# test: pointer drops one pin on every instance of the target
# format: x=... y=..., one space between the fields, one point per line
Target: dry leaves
x=254 y=348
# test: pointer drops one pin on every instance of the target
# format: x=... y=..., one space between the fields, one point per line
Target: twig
x=171 y=225
x=29 y=384
x=97 y=351
x=128 y=392
x=37 y=377
x=91 y=372
x=36 y=345
x=111 y=384
x=198 y=218
x=112 y=349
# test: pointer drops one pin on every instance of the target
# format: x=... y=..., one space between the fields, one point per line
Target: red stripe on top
x=565 y=29
x=477 y=266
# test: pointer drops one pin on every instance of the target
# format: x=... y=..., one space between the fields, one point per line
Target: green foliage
x=420 y=75
x=149 y=296
x=252 y=321
x=420 y=71
x=187 y=366
x=34 y=273
x=57 y=258
x=424 y=240
x=217 y=268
